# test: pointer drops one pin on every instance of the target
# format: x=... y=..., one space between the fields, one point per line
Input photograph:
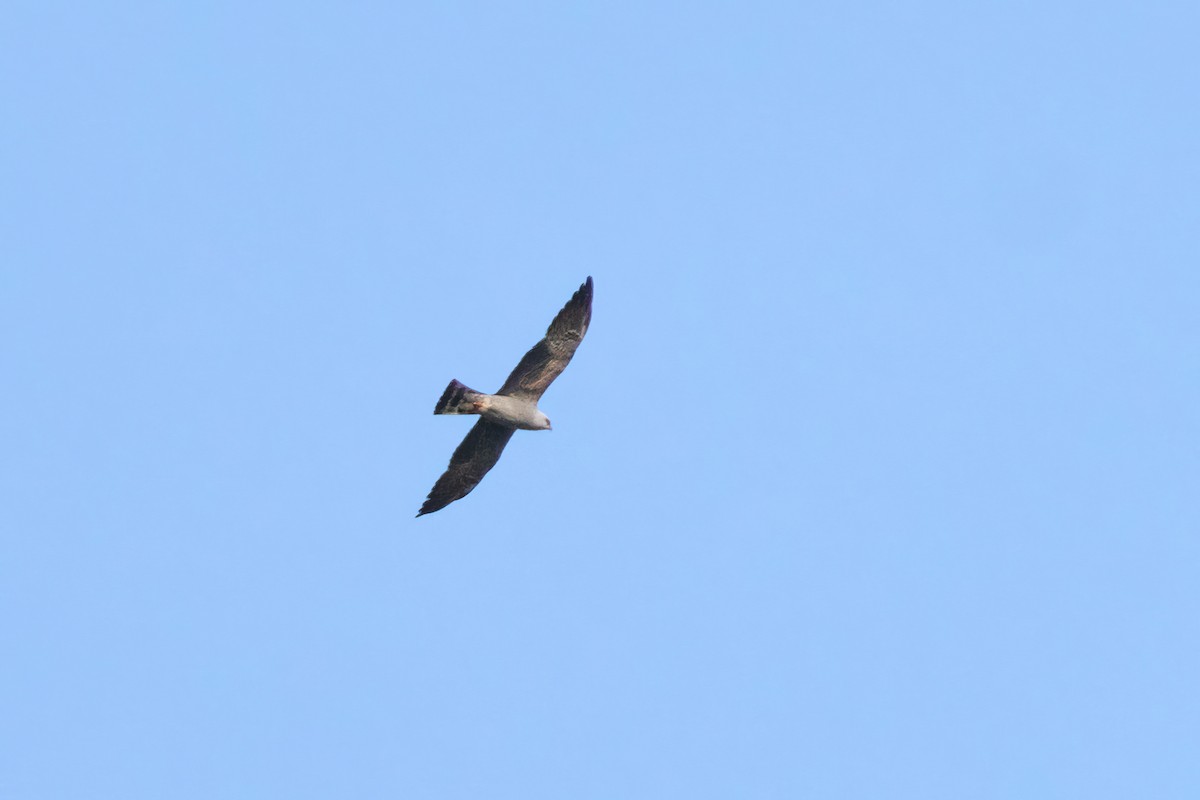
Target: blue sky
x=875 y=476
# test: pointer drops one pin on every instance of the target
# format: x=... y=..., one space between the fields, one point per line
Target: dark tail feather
x=458 y=399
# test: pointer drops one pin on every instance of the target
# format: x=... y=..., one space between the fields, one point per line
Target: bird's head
x=543 y=422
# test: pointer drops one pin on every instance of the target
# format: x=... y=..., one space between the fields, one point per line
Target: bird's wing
x=550 y=356
x=478 y=453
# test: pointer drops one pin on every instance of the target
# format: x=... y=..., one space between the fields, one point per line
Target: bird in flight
x=513 y=407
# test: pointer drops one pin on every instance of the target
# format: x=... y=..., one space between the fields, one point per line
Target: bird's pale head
x=543 y=422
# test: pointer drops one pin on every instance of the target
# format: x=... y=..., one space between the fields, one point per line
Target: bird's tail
x=459 y=399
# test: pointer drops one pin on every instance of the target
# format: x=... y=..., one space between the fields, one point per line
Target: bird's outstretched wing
x=550 y=356
x=478 y=453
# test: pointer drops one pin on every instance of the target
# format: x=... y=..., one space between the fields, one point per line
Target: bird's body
x=514 y=407
x=515 y=413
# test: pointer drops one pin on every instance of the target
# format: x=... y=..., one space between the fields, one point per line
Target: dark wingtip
x=429 y=506
x=582 y=298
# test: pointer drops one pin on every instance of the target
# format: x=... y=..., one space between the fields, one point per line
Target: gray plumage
x=513 y=407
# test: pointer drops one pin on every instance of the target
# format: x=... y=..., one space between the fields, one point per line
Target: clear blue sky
x=876 y=476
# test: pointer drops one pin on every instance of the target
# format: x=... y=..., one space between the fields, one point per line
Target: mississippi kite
x=513 y=407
